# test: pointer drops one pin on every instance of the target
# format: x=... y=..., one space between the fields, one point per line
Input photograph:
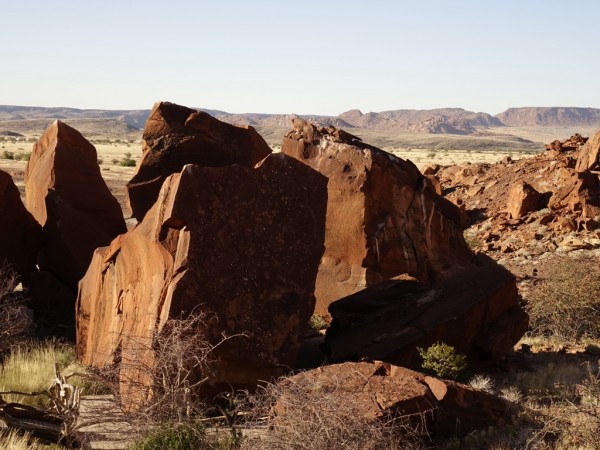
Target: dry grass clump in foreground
x=324 y=419
x=30 y=368
x=12 y=440
x=559 y=395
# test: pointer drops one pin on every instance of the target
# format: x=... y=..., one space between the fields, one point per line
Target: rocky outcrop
x=579 y=192
x=175 y=136
x=477 y=312
x=65 y=193
x=569 y=200
x=20 y=234
x=240 y=245
x=522 y=199
x=383 y=216
x=588 y=158
x=377 y=391
x=570 y=145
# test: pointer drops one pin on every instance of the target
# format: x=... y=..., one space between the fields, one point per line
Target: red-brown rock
x=175 y=136
x=65 y=193
x=579 y=192
x=378 y=391
x=240 y=244
x=588 y=158
x=383 y=216
x=522 y=199
x=20 y=234
x=477 y=312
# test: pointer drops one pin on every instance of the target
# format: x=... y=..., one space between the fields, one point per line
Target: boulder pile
x=547 y=203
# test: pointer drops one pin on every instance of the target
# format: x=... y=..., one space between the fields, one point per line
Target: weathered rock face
x=522 y=199
x=239 y=244
x=589 y=155
x=20 y=234
x=175 y=136
x=579 y=192
x=383 y=217
x=477 y=312
x=376 y=390
x=66 y=194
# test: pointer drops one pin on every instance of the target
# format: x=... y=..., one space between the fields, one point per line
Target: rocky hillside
x=550 y=117
x=450 y=121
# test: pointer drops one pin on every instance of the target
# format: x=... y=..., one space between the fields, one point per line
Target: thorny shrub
x=566 y=300
x=15 y=321
x=302 y=415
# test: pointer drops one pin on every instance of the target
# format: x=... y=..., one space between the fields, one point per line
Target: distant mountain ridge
x=26 y=119
x=550 y=117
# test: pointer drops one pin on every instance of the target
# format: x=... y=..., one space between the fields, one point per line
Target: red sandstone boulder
x=556 y=147
x=239 y=244
x=379 y=391
x=579 y=192
x=384 y=218
x=65 y=193
x=477 y=312
x=522 y=199
x=20 y=234
x=175 y=136
x=588 y=158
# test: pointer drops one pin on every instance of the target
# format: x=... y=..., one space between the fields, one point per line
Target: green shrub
x=8 y=155
x=127 y=161
x=184 y=437
x=317 y=322
x=443 y=361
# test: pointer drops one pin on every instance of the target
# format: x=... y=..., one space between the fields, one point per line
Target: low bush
x=443 y=361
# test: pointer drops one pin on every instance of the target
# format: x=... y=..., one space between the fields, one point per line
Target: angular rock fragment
x=384 y=218
x=380 y=391
x=241 y=245
x=477 y=312
x=20 y=234
x=175 y=136
x=588 y=158
x=522 y=199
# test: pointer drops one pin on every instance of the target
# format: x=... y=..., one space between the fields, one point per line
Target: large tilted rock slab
x=477 y=312
x=175 y=136
x=589 y=154
x=66 y=194
x=377 y=391
x=384 y=218
x=239 y=244
x=20 y=234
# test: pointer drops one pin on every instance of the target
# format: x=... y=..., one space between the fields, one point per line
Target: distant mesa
x=550 y=117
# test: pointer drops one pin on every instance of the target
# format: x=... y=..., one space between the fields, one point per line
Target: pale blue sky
x=321 y=57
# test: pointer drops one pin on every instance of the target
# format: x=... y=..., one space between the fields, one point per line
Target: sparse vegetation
x=565 y=303
x=443 y=361
x=15 y=320
x=127 y=161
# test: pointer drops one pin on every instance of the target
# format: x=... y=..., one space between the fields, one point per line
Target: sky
x=303 y=57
